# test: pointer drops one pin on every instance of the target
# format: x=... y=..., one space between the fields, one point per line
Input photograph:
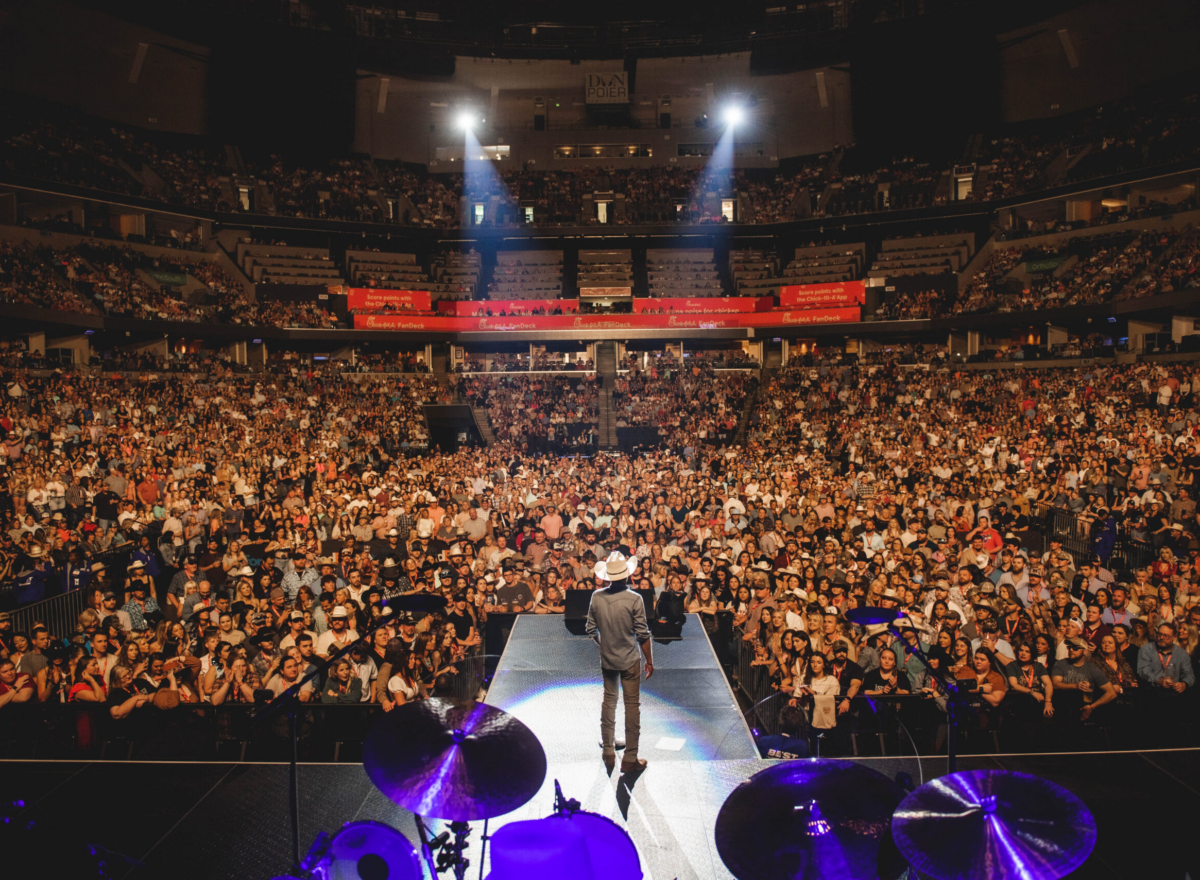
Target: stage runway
x=222 y=821
x=693 y=735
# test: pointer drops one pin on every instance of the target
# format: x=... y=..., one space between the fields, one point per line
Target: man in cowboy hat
x=616 y=621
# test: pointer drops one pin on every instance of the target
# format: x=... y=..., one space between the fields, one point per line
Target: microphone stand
x=953 y=695
x=288 y=699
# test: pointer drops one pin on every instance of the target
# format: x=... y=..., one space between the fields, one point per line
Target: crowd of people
x=1086 y=270
x=266 y=516
x=108 y=278
x=547 y=412
x=908 y=305
x=73 y=149
x=683 y=404
x=1138 y=131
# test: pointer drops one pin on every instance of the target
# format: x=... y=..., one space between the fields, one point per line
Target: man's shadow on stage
x=626 y=783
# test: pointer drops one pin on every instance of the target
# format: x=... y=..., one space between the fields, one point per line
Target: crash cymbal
x=419 y=602
x=455 y=761
x=994 y=824
x=872 y=614
x=811 y=819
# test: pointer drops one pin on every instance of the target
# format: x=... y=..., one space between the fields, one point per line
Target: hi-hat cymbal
x=811 y=819
x=872 y=614
x=994 y=824
x=454 y=761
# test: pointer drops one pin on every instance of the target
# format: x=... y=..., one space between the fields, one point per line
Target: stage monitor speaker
x=539 y=122
x=577 y=602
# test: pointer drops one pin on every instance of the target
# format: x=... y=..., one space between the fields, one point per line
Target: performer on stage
x=617 y=623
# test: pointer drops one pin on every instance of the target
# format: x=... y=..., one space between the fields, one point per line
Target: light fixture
x=465 y=120
x=734 y=115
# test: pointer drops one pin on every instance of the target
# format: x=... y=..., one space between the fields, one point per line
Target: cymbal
x=994 y=824
x=872 y=614
x=812 y=819
x=459 y=761
x=427 y=602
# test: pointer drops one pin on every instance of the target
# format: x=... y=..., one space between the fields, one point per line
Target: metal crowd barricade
x=116 y=560
x=1127 y=556
x=58 y=613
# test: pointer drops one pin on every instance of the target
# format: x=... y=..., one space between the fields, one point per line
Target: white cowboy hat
x=616 y=567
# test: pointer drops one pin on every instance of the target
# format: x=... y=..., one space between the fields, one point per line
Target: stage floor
x=216 y=821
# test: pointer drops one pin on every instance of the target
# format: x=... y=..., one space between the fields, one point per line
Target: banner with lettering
x=607 y=88
x=380 y=298
x=704 y=305
x=843 y=293
x=472 y=308
x=803 y=317
x=446 y=323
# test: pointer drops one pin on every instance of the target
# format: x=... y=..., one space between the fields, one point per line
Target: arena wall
x=784 y=112
x=1118 y=45
x=61 y=52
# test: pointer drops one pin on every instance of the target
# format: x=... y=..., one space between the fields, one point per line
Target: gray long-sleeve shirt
x=617 y=623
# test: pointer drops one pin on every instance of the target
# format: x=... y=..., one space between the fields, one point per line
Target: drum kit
x=462 y=762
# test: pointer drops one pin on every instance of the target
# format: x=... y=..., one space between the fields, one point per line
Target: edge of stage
x=182 y=820
x=216 y=821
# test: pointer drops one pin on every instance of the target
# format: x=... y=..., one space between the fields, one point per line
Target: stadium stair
x=233 y=158
x=606 y=372
x=484 y=426
x=739 y=437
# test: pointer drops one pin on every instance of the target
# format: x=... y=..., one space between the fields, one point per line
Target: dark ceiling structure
x=404 y=35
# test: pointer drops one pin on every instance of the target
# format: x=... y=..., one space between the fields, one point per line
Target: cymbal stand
x=289 y=700
x=483 y=842
x=427 y=846
x=954 y=696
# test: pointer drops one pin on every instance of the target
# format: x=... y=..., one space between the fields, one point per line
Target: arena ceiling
x=810 y=29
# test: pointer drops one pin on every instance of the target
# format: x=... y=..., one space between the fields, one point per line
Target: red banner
x=705 y=305
x=802 y=317
x=843 y=293
x=444 y=323
x=378 y=298
x=510 y=307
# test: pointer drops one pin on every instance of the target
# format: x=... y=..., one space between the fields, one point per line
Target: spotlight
x=734 y=115
x=465 y=120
